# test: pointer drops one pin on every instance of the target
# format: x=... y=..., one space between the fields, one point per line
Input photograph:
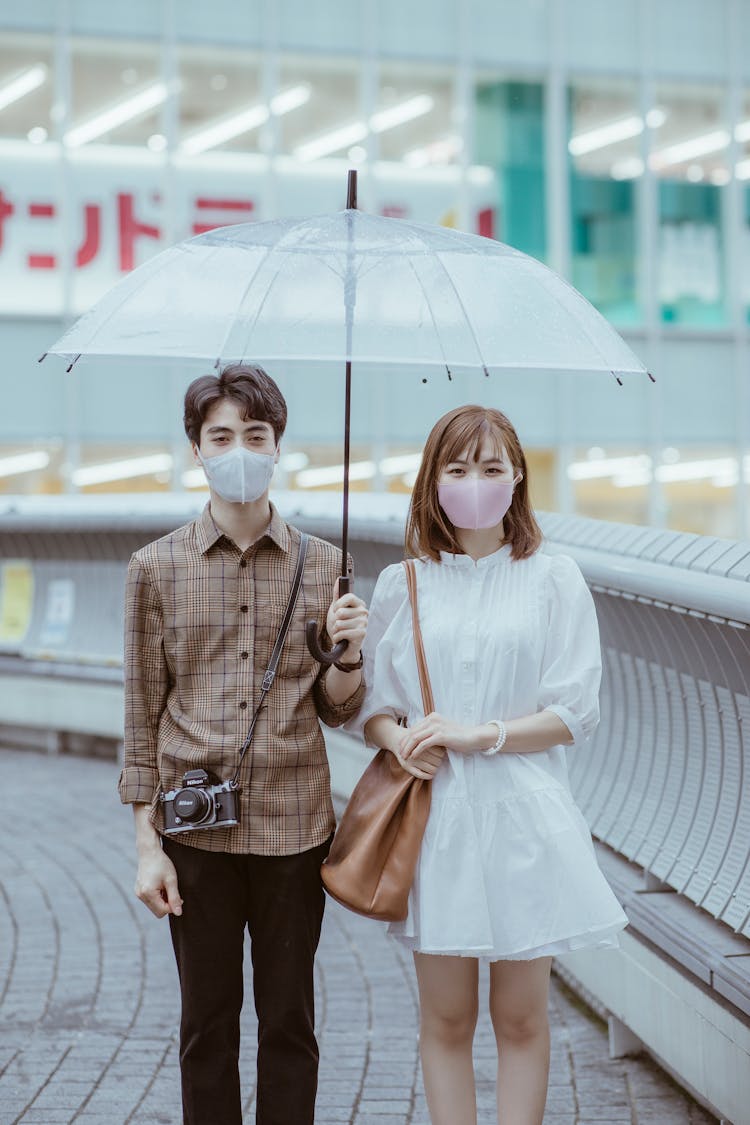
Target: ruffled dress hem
x=604 y=938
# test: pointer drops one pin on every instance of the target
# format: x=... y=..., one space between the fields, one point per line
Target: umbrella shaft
x=347 y=442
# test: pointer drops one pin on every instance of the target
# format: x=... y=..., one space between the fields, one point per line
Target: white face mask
x=240 y=475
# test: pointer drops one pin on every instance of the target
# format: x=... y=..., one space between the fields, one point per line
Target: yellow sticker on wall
x=16 y=600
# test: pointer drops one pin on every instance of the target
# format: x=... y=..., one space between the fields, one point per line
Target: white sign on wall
x=79 y=226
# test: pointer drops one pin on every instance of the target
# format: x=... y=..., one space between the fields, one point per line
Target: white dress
x=507 y=868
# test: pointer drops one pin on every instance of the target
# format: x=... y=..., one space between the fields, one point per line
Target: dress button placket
x=469 y=647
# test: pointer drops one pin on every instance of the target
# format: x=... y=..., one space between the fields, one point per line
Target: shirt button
x=244 y=655
x=243 y=705
x=243 y=563
x=243 y=609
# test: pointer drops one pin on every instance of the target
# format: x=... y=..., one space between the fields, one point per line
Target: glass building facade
x=611 y=142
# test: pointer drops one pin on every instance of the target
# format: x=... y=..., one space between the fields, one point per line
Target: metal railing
x=663 y=780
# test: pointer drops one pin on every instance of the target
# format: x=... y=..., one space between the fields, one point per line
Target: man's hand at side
x=156 y=879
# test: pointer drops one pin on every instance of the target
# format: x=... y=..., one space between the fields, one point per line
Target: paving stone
x=90 y=1013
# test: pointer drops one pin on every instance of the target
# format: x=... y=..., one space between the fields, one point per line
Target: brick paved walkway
x=88 y=990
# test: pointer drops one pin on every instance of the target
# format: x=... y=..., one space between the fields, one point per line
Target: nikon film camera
x=199 y=804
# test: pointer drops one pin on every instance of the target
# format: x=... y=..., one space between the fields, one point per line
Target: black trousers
x=280 y=899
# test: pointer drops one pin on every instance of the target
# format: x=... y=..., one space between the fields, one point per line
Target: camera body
x=199 y=804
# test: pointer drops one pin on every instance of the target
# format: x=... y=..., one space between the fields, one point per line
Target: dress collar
x=466 y=562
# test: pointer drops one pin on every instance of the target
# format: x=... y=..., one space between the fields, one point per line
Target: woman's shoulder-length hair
x=428 y=529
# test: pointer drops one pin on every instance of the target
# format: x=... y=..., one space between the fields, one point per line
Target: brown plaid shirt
x=201 y=620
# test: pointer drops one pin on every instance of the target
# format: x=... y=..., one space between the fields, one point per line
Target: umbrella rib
x=88 y=350
x=261 y=306
x=606 y=366
x=242 y=300
x=432 y=315
x=457 y=295
x=270 y=251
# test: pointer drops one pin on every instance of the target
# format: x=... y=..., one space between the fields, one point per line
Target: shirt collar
x=208 y=532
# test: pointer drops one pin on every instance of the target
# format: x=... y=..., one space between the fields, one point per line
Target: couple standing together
x=507 y=871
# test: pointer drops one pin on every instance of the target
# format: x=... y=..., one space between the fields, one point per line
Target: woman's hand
x=437 y=731
x=426 y=766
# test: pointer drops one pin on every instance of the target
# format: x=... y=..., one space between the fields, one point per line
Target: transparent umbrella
x=349 y=287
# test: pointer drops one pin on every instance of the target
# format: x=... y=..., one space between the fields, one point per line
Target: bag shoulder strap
x=428 y=702
x=273 y=663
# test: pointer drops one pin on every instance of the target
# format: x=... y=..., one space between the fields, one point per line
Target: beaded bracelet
x=502 y=734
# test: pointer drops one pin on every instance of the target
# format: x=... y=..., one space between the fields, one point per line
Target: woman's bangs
x=470 y=435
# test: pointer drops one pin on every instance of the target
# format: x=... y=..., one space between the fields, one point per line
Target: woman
x=507 y=870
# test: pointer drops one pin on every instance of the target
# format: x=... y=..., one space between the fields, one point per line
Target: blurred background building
x=611 y=140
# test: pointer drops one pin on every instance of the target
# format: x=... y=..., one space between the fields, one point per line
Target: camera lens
x=191 y=805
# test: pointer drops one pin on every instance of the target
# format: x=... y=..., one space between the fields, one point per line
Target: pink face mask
x=472 y=504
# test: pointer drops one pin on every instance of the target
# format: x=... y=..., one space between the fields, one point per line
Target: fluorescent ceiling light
x=690 y=150
x=742 y=132
x=332 y=142
x=438 y=152
x=401 y=113
x=610 y=134
x=252 y=118
x=22 y=85
x=403 y=463
x=629 y=169
x=23 y=463
x=117 y=115
x=360 y=470
x=334 y=474
x=290 y=99
x=608 y=467
x=357 y=131
x=637 y=479
x=742 y=170
x=714 y=467
x=656 y=117
x=122 y=470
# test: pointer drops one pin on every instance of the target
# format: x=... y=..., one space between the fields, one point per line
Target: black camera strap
x=270 y=672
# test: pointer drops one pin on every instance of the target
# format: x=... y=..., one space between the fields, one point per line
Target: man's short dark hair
x=248 y=386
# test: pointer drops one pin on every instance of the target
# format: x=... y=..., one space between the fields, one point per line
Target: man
x=203 y=610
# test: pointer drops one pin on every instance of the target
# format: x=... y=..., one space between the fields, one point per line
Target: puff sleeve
x=571 y=662
x=384 y=691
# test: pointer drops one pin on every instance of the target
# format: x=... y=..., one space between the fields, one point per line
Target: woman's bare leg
x=448 y=1002
x=518 y=1007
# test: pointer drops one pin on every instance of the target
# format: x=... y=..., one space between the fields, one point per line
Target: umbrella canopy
x=413 y=294
x=351 y=287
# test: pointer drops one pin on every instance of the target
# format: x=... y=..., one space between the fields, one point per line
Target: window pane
x=510 y=141
x=27 y=84
x=414 y=122
x=605 y=159
x=329 y=123
x=221 y=109
x=117 y=93
x=690 y=160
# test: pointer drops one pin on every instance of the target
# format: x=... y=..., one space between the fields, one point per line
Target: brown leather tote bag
x=370 y=867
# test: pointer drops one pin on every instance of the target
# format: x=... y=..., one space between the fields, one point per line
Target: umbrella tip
x=617 y=378
x=42 y=357
x=486 y=372
x=651 y=377
x=351 y=190
x=72 y=363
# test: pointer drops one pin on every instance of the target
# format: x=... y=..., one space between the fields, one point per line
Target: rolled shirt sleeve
x=335 y=714
x=146 y=686
x=572 y=661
